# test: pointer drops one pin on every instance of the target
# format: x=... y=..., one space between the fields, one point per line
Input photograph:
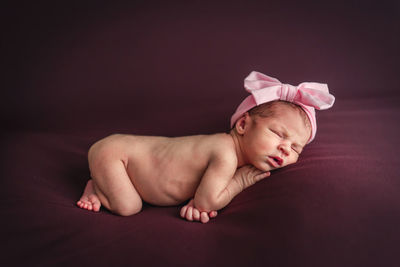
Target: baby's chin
x=265 y=167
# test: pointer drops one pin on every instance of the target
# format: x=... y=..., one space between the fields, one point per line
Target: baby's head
x=272 y=135
x=277 y=120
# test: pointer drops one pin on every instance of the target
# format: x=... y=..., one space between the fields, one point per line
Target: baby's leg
x=111 y=183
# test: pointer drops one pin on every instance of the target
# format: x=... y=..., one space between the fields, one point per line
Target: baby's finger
x=213 y=214
x=262 y=176
x=256 y=171
x=204 y=217
x=189 y=214
x=183 y=211
x=196 y=214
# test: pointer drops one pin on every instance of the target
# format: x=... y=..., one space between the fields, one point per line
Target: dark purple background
x=75 y=72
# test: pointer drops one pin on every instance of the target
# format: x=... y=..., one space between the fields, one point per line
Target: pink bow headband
x=263 y=89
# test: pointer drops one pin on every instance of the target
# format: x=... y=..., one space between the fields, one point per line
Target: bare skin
x=207 y=170
x=89 y=199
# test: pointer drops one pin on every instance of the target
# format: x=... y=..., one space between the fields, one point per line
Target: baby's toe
x=196 y=214
x=96 y=207
x=213 y=214
x=183 y=211
x=204 y=217
x=189 y=214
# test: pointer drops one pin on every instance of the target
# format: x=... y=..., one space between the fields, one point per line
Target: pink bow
x=266 y=89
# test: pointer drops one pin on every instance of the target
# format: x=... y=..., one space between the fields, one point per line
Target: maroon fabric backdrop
x=78 y=71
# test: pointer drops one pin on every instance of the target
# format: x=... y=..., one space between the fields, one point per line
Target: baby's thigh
x=108 y=170
x=107 y=161
x=116 y=186
x=104 y=153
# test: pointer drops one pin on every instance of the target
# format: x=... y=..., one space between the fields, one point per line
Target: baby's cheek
x=291 y=160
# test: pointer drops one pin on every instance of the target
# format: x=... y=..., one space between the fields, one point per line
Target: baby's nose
x=284 y=148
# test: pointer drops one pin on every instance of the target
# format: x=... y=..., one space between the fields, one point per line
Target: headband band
x=308 y=95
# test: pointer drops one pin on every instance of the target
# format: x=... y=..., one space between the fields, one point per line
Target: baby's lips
x=272 y=162
x=276 y=161
x=280 y=161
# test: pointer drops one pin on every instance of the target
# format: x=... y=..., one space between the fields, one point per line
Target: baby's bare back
x=167 y=171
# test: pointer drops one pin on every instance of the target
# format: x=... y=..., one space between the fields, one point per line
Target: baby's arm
x=243 y=178
x=216 y=191
x=222 y=181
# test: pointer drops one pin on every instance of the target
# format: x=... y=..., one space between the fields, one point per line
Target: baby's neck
x=238 y=148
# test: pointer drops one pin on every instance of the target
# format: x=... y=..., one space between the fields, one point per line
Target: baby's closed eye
x=276 y=132
x=296 y=149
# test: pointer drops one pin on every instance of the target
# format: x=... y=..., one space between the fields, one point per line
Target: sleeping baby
x=268 y=131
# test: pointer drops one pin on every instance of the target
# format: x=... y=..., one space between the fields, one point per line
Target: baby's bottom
x=110 y=182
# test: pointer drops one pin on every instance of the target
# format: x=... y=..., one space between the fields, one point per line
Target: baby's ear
x=242 y=123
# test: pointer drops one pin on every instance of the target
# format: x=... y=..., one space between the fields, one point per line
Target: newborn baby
x=269 y=130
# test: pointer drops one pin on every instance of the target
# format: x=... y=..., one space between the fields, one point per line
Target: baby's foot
x=89 y=200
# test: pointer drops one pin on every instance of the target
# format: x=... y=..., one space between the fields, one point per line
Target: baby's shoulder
x=222 y=145
x=221 y=139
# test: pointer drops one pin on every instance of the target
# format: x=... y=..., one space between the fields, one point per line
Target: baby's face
x=276 y=141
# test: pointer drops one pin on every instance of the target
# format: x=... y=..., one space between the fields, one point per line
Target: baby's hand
x=247 y=176
x=190 y=213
